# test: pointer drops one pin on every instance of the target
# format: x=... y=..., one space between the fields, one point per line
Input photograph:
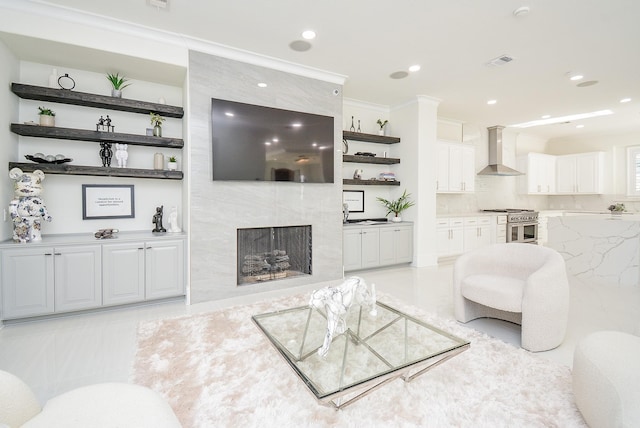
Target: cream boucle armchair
x=104 y=405
x=522 y=283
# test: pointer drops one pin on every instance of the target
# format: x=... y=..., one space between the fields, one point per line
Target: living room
x=188 y=71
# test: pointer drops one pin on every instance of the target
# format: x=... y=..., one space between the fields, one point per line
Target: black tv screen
x=257 y=143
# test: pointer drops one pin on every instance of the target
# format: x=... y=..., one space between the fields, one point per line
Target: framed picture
x=107 y=201
x=355 y=200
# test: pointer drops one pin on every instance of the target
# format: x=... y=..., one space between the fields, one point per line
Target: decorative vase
x=158 y=161
x=396 y=219
x=157 y=131
x=116 y=93
x=46 y=120
x=172 y=166
x=381 y=131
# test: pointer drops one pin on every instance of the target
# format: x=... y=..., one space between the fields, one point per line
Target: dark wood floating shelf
x=97 y=136
x=370 y=159
x=352 y=182
x=66 y=169
x=65 y=96
x=369 y=138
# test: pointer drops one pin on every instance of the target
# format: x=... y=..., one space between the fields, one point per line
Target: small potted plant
x=156 y=121
x=172 y=165
x=118 y=83
x=617 y=209
x=47 y=116
x=382 y=124
x=398 y=205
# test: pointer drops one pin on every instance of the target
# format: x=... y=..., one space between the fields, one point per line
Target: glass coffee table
x=373 y=351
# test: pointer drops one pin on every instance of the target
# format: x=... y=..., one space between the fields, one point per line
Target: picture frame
x=354 y=199
x=100 y=201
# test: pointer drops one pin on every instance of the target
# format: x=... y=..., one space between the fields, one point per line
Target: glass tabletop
x=370 y=348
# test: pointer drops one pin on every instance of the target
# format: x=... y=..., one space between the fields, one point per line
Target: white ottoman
x=606 y=379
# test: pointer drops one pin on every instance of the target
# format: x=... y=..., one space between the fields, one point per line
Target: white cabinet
x=500 y=236
x=375 y=246
x=164 y=269
x=27 y=282
x=456 y=168
x=477 y=232
x=396 y=245
x=450 y=236
x=580 y=173
x=43 y=280
x=123 y=273
x=78 y=277
x=68 y=273
x=540 y=174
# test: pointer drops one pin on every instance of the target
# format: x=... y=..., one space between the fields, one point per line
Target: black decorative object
x=38 y=159
x=106 y=154
x=105 y=125
x=157 y=220
x=66 y=82
x=359 y=130
x=105 y=233
x=352 y=129
x=364 y=154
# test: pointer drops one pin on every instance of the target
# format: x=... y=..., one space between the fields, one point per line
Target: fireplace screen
x=270 y=253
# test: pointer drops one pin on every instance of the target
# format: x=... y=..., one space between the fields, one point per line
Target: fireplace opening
x=272 y=253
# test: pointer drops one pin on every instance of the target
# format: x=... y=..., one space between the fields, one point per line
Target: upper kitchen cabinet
x=580 y=173
x=456 y=168
x=539 y=174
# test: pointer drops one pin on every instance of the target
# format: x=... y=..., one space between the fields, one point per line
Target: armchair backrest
x=18 y=403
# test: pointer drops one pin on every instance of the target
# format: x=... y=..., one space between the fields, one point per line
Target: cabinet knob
x=48 y=254
x=140 y=248
x=57 y=254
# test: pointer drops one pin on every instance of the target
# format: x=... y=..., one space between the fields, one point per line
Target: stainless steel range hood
x=496 y=167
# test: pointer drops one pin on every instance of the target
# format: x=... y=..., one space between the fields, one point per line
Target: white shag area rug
x=219 y=370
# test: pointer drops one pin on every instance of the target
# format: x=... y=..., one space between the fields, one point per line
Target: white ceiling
x=367 y=40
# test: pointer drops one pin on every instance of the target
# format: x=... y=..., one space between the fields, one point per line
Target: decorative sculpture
x=173 y=221
x=157 y=220
x=122 y=155
x=106 y=154
x=105 y=125
x=27 y=209
x=336 y=301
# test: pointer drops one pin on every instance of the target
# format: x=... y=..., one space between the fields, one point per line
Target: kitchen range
x=522 y=225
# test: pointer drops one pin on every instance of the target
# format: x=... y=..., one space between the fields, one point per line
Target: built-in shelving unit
x=65 y=96
x=84 y=99
x=66 y=169
x=369 y=138
x=95 y=136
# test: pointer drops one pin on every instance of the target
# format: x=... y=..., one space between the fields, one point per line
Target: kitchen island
x=600 y=248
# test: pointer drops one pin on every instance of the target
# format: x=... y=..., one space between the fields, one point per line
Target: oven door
x=522 y=232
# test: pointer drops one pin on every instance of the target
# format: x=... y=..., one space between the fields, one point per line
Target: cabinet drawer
x=471 y=221
x=484 y=220
x=442 y=222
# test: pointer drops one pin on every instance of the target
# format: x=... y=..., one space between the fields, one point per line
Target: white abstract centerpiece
x=336 y=302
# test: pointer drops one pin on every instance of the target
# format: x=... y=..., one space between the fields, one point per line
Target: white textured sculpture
x=173 y=221
x=122 y=155
x=27 y=209
x=336 y=301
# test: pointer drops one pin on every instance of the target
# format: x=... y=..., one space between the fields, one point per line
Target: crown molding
x=366 y=104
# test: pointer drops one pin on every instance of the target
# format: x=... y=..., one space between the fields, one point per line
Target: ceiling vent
x=501 y=60
x=160 y=4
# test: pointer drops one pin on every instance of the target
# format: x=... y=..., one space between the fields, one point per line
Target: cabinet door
x=78 y=277
x=27 y=282
x=387 y=246
x=456 y=243
x=588 y=173
x=456 y=175
x=370 y=247
x=566 y=174
x=352 y=249
x=484 y=236
x=443 y=235
x=164 y=269
x=122 y=273
x=442 y=183
x=468 y=169
x=404 y=244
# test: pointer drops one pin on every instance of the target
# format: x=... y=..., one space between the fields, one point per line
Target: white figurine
x=337 y=301
x=173 y=221
x=122 y=155
x=27 y=209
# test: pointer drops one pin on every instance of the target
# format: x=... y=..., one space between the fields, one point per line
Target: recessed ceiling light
x=414 y=68
x=492 y=102
x=229 y=114
x=262 y=85
x=625 y=100
x=562 y=119
x=546 y=116
x=521 y=11
x=309 y=35
x=267 y=143
x=579 y=126
x=575 y=77
x=296 y=124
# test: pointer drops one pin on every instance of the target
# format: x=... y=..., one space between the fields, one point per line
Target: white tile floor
x=57 y=355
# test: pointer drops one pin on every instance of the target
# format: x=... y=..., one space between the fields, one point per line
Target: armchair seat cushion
x=500 y=292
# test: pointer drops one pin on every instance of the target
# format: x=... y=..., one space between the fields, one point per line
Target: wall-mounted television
x=257 y=143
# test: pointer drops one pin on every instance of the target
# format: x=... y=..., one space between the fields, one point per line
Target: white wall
x=9 y=151
x=63 y=194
